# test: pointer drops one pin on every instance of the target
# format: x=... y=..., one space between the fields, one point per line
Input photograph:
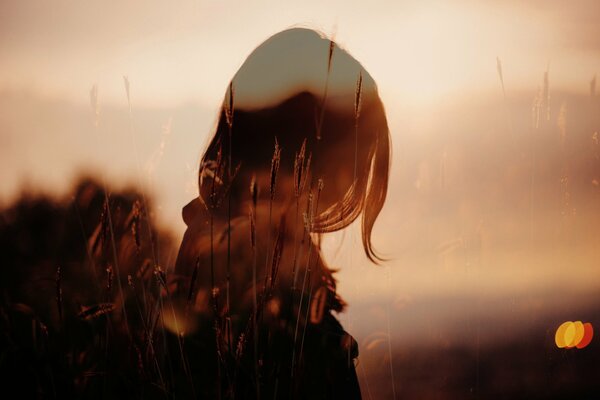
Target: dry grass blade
x=207 y=170
x=94 y=104
x=136 y=214
x=274 y=168
x=252 y=229
x=95 y=311
x=320 y=185
x=126 y=83
x=109 y=277
x=252 y=328
x=229 y=117
x=59 y=300
x=546 y=93
x=317 y=306
x=143 y=269
x=193 y=281
x=561 y=122
x=500 y=75
x=536 y=109
x=229 y=105
x=277 y=252
x=308 y=215
x=358 y=95
x=217 y=178
x=239 y=351
x=301 y=168
x=105 y=225
x=253 y=191
x=330 y=57
x=298 y=168
x=326 y=90
x=506 y=107
x=161 y=276
x=357 y=106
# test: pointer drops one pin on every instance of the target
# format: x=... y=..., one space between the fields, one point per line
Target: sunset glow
x=490 y=230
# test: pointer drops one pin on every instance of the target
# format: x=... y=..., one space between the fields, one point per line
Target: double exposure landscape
x=345 y=200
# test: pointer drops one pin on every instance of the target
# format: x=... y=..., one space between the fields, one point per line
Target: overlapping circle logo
x=574 y=334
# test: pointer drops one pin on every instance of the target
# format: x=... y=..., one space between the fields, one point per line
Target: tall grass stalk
x=254 y=197
x=307 y=229
x=275 y=161
x=132 y=134
x=229 y=110
x=357 y=107
x=95 y=109
x=59 y=303
x=311 y=217
x=506 y=108
x=326 y=89
x=301 y=169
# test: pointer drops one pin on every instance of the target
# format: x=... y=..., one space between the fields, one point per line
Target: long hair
x=304 y=94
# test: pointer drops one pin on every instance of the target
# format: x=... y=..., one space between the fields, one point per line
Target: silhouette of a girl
x=301 y=148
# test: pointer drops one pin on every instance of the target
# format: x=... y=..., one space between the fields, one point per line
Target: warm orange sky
x=188 y=50
x=431 y=60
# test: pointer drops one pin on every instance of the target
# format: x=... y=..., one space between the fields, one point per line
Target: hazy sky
x=188 y=50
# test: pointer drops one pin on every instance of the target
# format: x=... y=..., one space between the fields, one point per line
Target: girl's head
x=304 y=95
